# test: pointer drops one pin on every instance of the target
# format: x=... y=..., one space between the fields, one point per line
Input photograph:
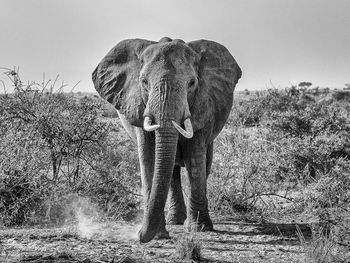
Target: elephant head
x=168 y=87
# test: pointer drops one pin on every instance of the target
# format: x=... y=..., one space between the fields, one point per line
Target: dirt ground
x=232 y=241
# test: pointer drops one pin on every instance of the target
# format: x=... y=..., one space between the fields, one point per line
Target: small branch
x=289 y=199
x=269 y=194
x=75 y=86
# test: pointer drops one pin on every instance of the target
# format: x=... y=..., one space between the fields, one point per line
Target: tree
x=55 y=146
x=304 y=84
x=61 y=125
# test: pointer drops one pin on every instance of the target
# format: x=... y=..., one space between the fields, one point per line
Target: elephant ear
x=218 y=74
x=116 y=78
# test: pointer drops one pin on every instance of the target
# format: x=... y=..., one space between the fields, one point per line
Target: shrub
x=341 y=95
x=312 y=120
x=248 y=169
x=295 y=142
x=21 y=198
x=54 y=145
x=324 y=248
x=329 y=196
x=256 y=109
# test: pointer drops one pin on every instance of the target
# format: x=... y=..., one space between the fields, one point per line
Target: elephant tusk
x=188 y=132
x=147 y=125
x=188 y=127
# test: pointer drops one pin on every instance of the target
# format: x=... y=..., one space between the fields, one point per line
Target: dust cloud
x=92 y=224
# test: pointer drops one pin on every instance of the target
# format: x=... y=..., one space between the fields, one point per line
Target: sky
x=277 y=43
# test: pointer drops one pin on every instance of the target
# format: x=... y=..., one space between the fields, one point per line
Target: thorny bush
x=54 y=144
x=287 y=145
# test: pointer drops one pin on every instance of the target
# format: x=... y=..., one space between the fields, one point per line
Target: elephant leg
x=197 y=208
x=146 y=148
x=177 y=209
x=209 y=158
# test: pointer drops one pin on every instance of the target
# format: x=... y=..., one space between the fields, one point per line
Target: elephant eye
x=191 y=83
x=144 y=82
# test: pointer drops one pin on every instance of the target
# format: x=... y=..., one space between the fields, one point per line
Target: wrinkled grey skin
x=170 y=81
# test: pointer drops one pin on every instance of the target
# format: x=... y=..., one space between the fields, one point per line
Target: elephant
x=173 y=98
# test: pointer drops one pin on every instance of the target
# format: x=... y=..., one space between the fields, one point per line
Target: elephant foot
x=176 y=218
x=164 y=234
x=201 y=224
x=199 y=227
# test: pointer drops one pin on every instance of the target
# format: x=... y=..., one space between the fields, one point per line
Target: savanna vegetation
x=287 y=152
x=283 y=152
x=56 y=147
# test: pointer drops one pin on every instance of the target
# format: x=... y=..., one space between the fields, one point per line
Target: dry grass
x=324 y=247
x=187 y=246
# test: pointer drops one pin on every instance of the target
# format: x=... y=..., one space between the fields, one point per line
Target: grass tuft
x=188 y=248
x=324 y=247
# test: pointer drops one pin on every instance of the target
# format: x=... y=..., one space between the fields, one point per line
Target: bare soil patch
x=232 y=241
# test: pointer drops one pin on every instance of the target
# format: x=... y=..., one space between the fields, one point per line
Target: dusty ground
x=232 y=241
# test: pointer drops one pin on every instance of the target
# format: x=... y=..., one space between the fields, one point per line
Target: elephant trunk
x=165 y=152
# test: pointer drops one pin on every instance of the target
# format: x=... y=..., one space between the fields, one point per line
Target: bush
x=312 y=120
x=256 y=109
x=54 y=145
x=341 y=95
x=21 y=198
x=324 y=248
x=295 y=143
x=329 y=199
x=248 y=170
